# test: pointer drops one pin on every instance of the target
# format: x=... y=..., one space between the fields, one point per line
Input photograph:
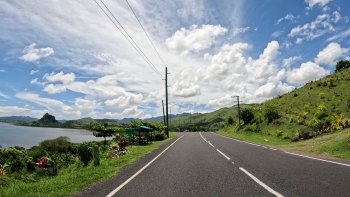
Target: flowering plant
x=43 y=162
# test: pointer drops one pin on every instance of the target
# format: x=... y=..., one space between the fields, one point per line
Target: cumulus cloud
x=60 y=77
x=288 y=62
x=240 y=30
x=313 y=3
x=4 y=95
x=330 y=54
x=321 y=25
x=194 y=39
x=269 y=90
x=220 y=102
x=33 y=54
x=305 y=73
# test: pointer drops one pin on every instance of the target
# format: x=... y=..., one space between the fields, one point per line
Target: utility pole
x=239 y=112
x=163 y=112
x=166 y=101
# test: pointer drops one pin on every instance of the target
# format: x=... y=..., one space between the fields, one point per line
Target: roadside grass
x=74 y=178
x=254 y=137
x=332 y=144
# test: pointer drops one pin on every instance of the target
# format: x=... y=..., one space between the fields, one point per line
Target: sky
x=69 y=59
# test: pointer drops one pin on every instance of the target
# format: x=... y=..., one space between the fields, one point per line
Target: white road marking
x=233 y=163
x=247 y=142
x=272 y=149
x=261 y=183
x=223 y=154
x=142 y=169
x=343 y=164
x=211 y=144
x=200 y=133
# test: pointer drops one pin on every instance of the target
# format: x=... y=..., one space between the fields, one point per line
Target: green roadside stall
x=140 y=135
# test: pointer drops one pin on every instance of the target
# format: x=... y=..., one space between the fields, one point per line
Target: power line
x=127 y=36
x=148 y=37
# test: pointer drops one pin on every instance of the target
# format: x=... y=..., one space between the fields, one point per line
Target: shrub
x=252 y=128
x=61 y=144
x=271 y=114
x=321 y=95
x=321 y=111
x=159 y=136
x=295 y=95
x=294 y=136
x=16 y=159
x=348 y=104
x=85 y=153
x=247 y=116
x=306 y=133
x=230 y=120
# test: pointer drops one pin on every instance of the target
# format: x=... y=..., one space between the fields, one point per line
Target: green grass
x=75 y=177
x=333 y=144
x=258 y=138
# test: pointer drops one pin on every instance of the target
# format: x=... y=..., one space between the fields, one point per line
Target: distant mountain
x=13 y=119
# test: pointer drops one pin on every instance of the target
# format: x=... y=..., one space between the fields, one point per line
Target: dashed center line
x=269 y=189
x=223 y=154
x=210 y=144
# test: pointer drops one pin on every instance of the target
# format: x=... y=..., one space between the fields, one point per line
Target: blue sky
x=66 y=58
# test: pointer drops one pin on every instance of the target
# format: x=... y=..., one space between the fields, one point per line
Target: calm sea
x=27 y=137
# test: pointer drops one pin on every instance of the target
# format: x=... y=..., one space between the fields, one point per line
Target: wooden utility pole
x=163 y=112
x=166 y=101
x=239 y=112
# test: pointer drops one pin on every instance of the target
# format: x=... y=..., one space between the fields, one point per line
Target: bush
x=61 y=144
x=85 y=152
x=247 y=116
x=321 y=111
x=230 y=120
x=294 y=136
x=271 y=114
x=159 y=136
x=252 y=128
x=16 y=159
x=306 y=133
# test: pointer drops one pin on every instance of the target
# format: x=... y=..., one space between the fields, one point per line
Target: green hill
x=306 y=112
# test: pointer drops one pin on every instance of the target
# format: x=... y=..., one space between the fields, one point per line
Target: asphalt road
x=207 y=164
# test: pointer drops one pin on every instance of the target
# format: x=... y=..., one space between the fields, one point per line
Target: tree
x=230 y=120
x=247 y=116
x=341 y=65
x=271 y=114
x=103 y=130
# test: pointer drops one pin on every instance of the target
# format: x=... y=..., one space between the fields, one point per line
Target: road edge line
x=142 y=169
x=328 y=161
x=269 y=189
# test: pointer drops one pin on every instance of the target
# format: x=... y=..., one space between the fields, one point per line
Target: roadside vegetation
x=57 y=167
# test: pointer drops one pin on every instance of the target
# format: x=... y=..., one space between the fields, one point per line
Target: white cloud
x=341 y=35
x=222 y=101
x=270 y=89
x=2 y=70
x=15 y=110
x=54 y=88
x=32 y=54
x=288 y=62
x=52 y=105
x=194 y=39
x=240 y=30
x=321 y=25
x=306 y=72
x=4 y=95
x=330 y=54
x=60 y=77
x=313 y=3
x=288 y=17
x=32 y=72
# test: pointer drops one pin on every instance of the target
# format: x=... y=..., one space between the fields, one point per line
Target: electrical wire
x=127 y=35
